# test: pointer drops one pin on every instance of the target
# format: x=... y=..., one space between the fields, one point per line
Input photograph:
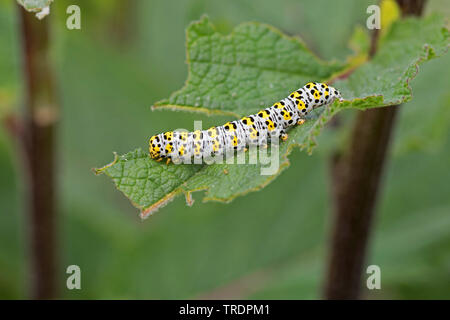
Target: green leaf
x=41 y=7
x=384 y=81
x=243 y=72
x=253 y=67
x=431 y=132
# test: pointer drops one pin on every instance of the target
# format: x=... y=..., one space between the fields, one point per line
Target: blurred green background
x=269 y=244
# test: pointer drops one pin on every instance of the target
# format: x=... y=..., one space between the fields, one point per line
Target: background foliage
x=248 y=69
x=269 y=244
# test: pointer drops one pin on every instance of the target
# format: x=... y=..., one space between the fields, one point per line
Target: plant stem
x=356 y=176
x=38 y=142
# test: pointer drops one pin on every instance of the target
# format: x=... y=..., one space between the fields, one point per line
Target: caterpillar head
x=335 y=94
x=321 y=93
x=328 y=92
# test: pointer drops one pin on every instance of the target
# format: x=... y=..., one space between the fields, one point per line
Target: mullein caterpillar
x=255 y=129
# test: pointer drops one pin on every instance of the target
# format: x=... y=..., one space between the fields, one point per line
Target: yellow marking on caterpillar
x=247 y=121
x=231 y=127
x=286 y=114
x=253 y=133
x=316 y=94
x=300 y=105
x=216 y=146
x=270 y=125
x=183 y=136
x=234 y=141
x=212 y=132
x=278 y=105
x=197 y=149
x=168 y=135
x=197 y=135
x=264 y=114
x=294 y=95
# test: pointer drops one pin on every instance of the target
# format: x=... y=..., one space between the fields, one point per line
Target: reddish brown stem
x=356 y=177
x=40 y=117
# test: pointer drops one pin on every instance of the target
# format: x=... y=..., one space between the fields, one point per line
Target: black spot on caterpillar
x=254 y=129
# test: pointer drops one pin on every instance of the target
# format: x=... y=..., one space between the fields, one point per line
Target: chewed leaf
x=148 y=184
x=252 y=68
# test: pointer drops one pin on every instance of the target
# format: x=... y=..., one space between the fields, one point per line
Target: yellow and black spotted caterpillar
x=254 y=129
